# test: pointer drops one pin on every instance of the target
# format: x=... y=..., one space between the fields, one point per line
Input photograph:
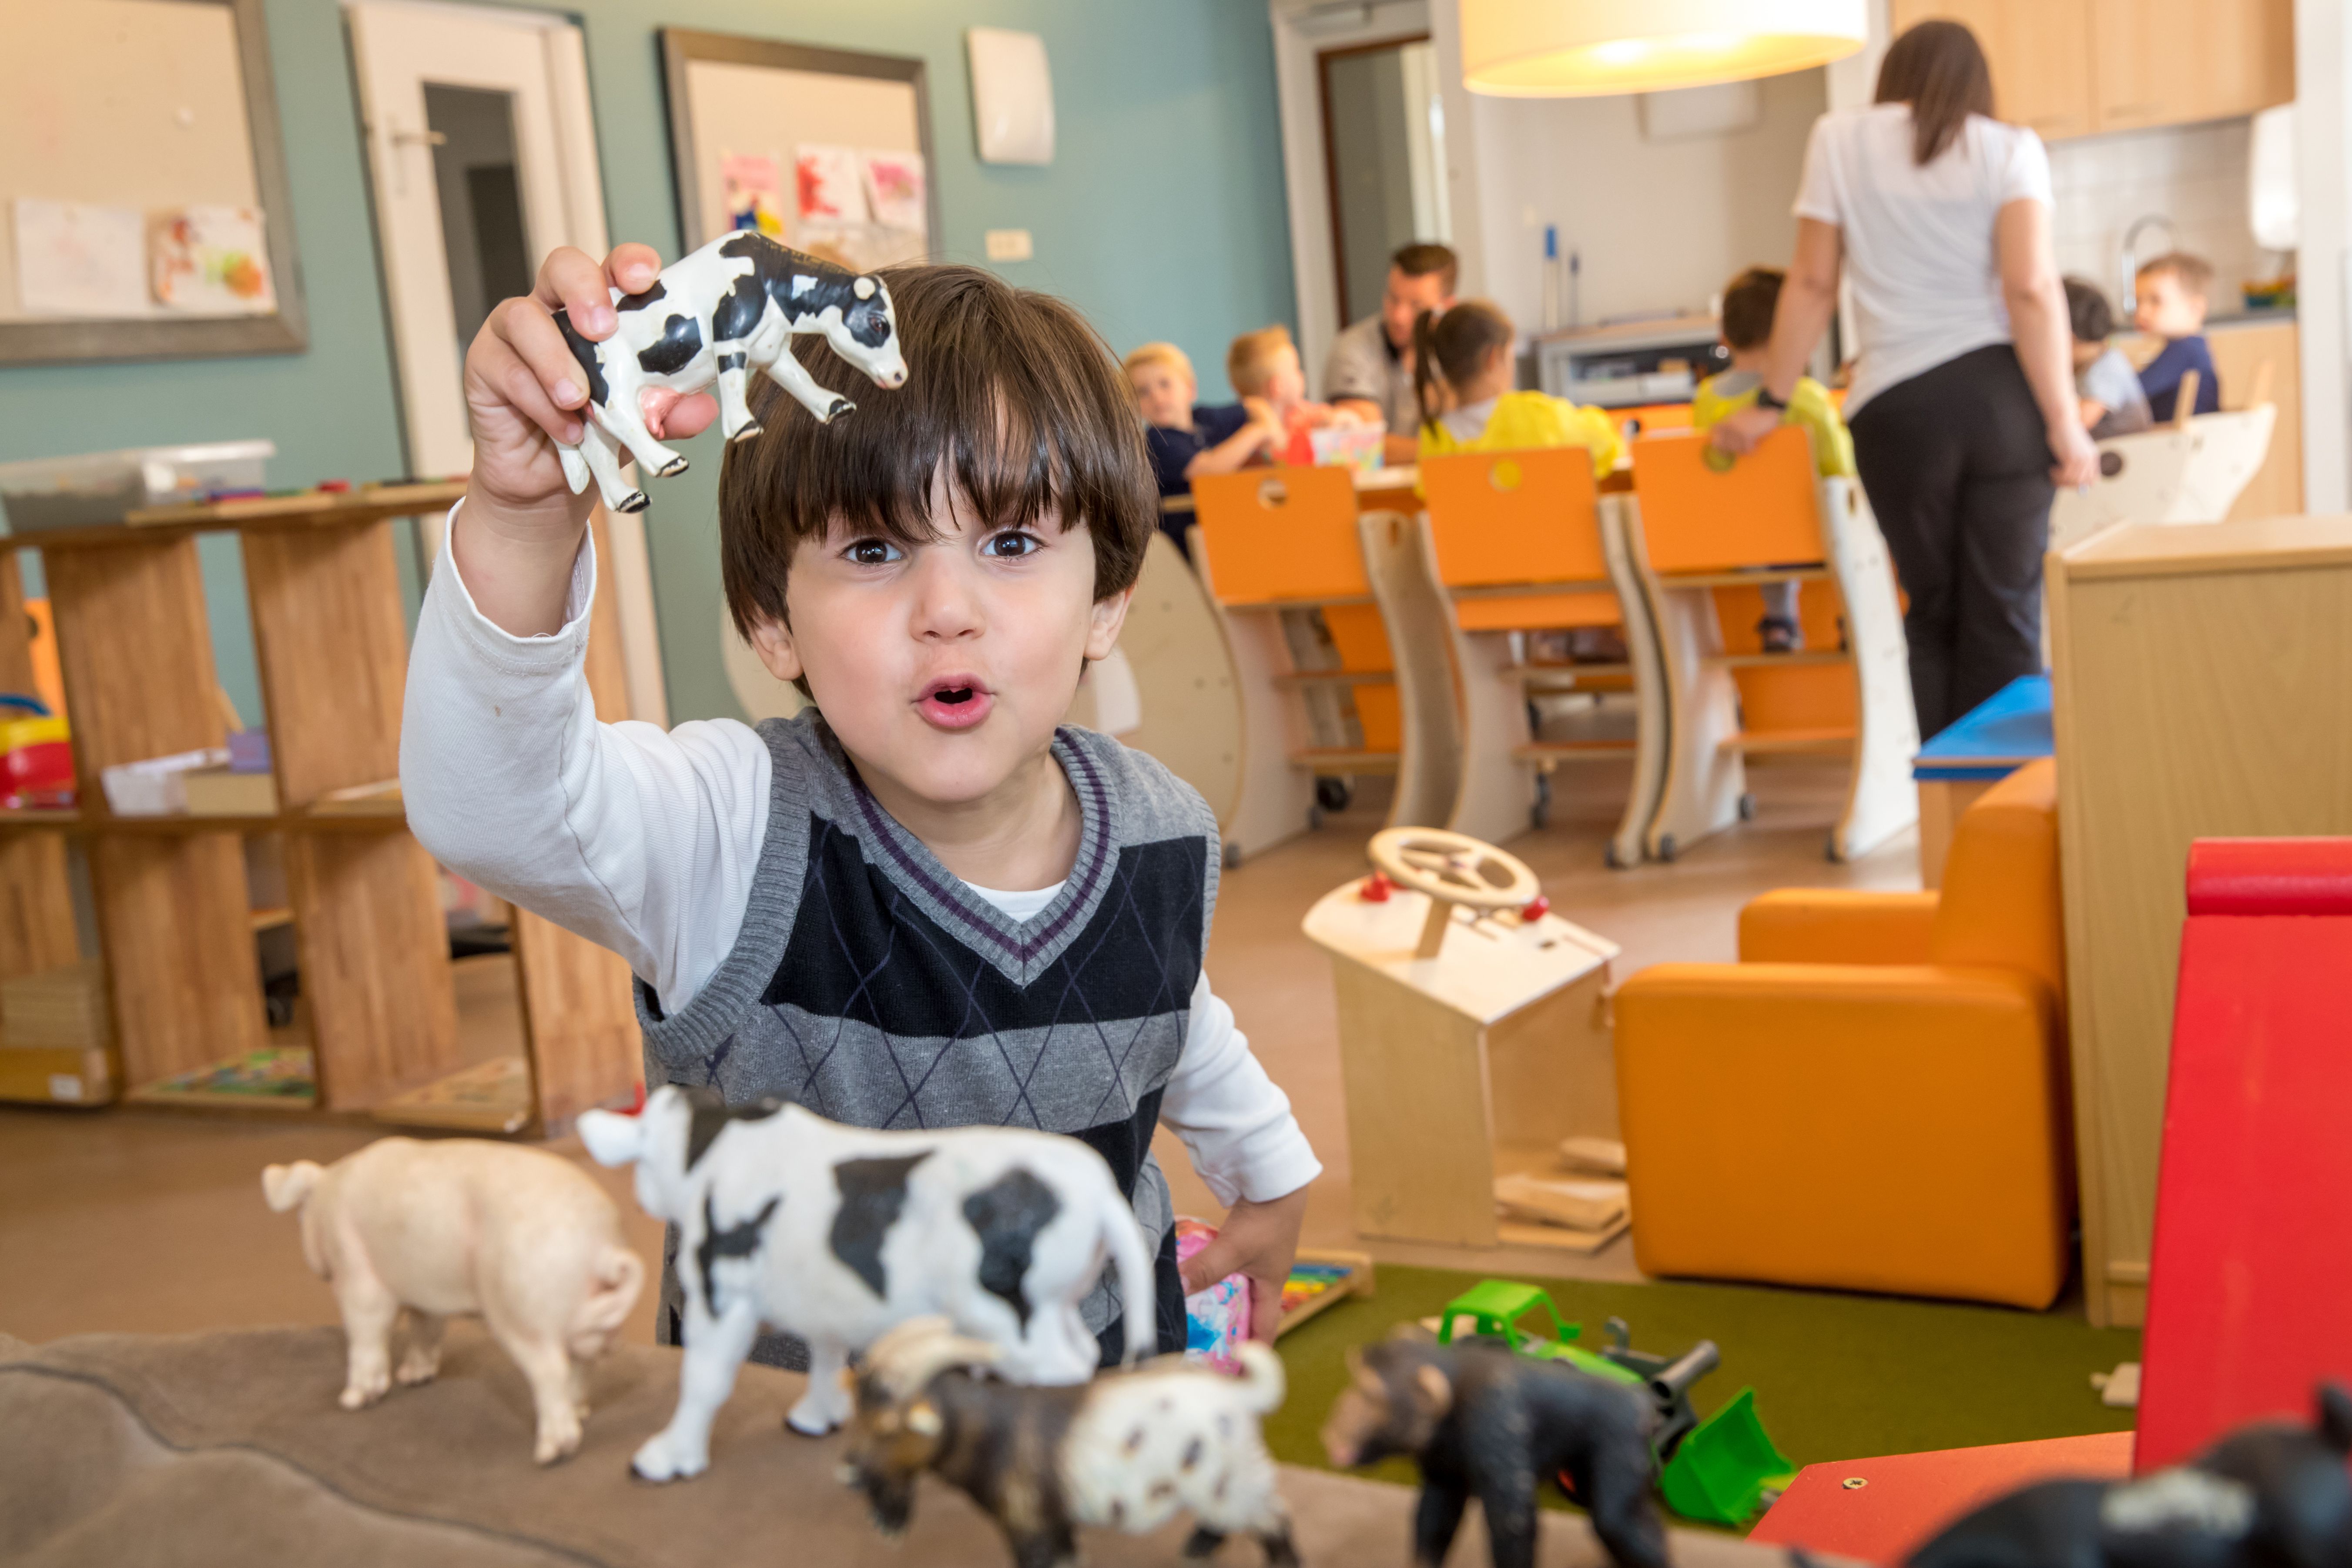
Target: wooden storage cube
x=376 y=963
x=36 y=920
x=178 y=937
x=137 y=654
x=580 y=1014
x=327 y=627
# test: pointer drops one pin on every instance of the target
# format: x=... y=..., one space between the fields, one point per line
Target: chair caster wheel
x=1314 y=818
x=1667 y=847
x=1830 y=851
x=1615 y=861
x=1747 y=807
x=1333 y=794
x=1231 y=855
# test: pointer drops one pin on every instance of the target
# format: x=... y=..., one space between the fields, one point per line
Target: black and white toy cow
x=730 y=309
x=838 y=1234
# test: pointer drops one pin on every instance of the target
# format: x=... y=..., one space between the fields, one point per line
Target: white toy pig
x=523 y=1237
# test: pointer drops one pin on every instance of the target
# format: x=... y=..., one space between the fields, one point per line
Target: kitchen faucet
x=2131 y=255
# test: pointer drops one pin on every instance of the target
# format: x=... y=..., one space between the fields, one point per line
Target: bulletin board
x=144 y=211
x=827 y=150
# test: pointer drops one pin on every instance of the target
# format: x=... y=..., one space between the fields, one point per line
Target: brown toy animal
x=1484 y=1423
x=1129 y=1451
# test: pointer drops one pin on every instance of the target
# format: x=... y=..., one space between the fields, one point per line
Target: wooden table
x=2202 y=683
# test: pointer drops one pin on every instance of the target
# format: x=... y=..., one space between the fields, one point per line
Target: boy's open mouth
x=955 y=702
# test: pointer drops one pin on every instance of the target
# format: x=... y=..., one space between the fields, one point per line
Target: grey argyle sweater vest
x=873 y=986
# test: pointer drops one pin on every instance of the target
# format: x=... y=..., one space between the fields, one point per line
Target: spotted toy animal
x=730 y=308
x=836 y=1234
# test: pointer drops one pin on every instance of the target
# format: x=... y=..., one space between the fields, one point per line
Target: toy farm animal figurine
x=836 y=1234
x=525 y=1238
x=730 y=308
x=2267 y=1496
x=1127 y=1451
x=1484 y=1423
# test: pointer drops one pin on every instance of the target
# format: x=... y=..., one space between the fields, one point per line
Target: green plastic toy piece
x=1494 y=1307
x=1723 y=1470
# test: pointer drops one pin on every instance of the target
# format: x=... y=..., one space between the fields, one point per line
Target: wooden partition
x=36 y=922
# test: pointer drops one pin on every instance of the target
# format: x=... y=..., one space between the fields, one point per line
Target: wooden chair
x=1519 y=542
x=1696 y=531
x=1281 y=555
x=2189 y=471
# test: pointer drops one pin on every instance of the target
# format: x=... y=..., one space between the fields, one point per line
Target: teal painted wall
x=1162 y=217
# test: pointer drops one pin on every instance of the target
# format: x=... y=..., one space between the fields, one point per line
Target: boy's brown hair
x=1246 y=361
x=1168 y=354
x=1748 y=302
x=1011 y=389
x=2193 y=273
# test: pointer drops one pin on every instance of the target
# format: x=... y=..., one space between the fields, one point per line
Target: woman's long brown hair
x=1450 y=348
x=1938 y=69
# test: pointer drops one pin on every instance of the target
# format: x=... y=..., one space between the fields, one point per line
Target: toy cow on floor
x=1129 y=1451
x=836 y=1234
x=1482 y=1422
x=730 y=308
x=2267 y=1496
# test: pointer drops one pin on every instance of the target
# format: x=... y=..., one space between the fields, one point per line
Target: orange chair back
x=1275 y=535
x=1762 y=510
x=1654 y=416
x=2001 y=903
x=1515 y=517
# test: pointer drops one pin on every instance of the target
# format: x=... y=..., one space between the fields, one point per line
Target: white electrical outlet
x=1010 y=245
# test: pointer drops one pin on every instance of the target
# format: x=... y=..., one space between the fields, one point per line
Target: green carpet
x=1836 y=1377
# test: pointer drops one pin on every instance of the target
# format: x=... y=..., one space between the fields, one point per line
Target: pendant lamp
x=1580 y=49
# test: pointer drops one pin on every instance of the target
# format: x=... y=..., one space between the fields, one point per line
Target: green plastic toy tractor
x=1718 y=1471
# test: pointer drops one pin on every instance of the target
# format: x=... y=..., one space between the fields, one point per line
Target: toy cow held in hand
x=1484 y=1423
x=730 y=308
x=523 y=1237
x=836 y=1234
x=2267 y=1496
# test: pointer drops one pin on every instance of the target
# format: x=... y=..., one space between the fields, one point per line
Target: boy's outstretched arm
x=1237 y=1126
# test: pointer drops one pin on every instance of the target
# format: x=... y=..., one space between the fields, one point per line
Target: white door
x=482 y=153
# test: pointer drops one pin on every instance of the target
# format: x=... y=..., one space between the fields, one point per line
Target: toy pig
x=714 y=317
x=522 y=1238
x=1484 y=1423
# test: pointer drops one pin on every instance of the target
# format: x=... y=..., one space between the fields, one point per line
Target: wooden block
x=375 y=964
x=329 y=633
x=580 y=1014
x=16 y=645
x=137 y=653
x=62 y=1009
x=56 y=1076
x=174 y=919
x=36 y=918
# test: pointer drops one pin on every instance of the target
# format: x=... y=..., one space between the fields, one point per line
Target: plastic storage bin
x=100 y=487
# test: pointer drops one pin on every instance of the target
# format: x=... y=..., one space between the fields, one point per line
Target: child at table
x=1187 y=439
x=1464 y=364
x=1746 y=327
x=2112 y=402
x=1264 y=370
x=2170 y=304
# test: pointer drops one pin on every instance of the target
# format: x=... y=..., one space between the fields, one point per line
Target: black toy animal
x=1484 y=1423
x=2267 y=1496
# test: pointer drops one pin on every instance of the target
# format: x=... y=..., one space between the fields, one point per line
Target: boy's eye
x=1011 y=544
x=871 y=552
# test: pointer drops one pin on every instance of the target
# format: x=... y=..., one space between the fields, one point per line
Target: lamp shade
x=1576 y=48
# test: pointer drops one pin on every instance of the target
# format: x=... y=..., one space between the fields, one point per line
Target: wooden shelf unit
x=174 y=919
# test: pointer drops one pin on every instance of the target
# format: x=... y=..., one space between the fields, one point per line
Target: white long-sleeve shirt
x=645 y=840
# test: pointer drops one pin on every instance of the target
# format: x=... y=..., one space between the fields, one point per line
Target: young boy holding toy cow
x=921 y=903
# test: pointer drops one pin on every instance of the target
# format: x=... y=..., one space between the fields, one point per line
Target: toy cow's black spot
x=868 y=322
x=731 y=1241
x=708 y=1116
x=873 y=1192
x=1192 y=1460
x=738 y=314
x=599 y=390
x=802 y=286
x=1007 y=1214
x=681 y=339
x=639 y=302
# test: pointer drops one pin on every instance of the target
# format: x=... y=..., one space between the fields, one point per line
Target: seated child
x=1185 y=438
x=1264 y=370
x=1748 y=303
x=923 y=901
x=2170 y=305
x=1463 y=367
x=2112 y=401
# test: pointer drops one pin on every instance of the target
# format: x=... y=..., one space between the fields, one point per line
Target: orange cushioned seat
x=1875 y=1098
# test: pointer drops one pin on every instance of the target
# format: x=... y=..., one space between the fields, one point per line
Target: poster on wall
x=80 y=258
x=210 y=261
x=895 y=188
x=755 y=193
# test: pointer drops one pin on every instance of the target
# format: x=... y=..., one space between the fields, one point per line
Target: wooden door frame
x=1323 y=58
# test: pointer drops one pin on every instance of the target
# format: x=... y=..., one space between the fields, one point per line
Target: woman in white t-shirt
x=1962 y=398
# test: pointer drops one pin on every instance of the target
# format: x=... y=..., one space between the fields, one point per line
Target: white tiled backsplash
x=2193 y=175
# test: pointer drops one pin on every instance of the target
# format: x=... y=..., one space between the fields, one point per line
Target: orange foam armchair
x=1875 y=1098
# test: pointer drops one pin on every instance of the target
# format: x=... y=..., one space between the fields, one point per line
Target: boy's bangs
x=1012 y=391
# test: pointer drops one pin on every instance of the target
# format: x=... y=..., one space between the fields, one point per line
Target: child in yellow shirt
x=1748 y=302
x=1463 y=367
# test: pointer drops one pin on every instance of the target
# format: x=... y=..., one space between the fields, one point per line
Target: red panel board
x=1905 y=1499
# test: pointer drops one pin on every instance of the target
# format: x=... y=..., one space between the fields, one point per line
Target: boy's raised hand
x=524 y=391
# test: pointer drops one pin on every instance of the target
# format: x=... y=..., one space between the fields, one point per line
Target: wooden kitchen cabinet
x=2171 y=62
x=2040 y=51
x=2069 y=68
